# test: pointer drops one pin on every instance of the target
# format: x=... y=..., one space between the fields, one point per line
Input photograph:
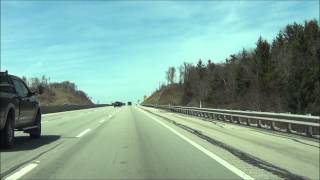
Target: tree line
x=35 y=82
x=281 y=76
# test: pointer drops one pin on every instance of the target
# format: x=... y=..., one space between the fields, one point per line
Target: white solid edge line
x=83 y=133
x=202 y=149
x=101 y=121
x=22 y=172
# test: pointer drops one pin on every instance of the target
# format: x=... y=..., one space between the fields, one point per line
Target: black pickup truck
x=19 y=109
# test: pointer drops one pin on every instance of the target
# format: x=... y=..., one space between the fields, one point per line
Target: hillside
x=58 y=93
x=277 y=76
x=167 y=95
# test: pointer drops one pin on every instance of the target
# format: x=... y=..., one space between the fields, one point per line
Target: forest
x=278 y=76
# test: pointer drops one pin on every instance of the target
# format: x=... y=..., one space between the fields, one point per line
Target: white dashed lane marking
x=83 y=133
x=22 y=171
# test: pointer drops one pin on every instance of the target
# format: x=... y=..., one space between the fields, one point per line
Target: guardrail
x=290 y=123
x=61 y=108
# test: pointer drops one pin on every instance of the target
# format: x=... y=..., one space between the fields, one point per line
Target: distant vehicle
x=117 y=104
x=19 y=109
x=129 y=103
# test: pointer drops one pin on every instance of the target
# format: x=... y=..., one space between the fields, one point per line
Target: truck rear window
x=4 y=80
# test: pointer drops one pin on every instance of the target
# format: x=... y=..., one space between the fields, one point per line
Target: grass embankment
x=171 y=94
x=63 y=96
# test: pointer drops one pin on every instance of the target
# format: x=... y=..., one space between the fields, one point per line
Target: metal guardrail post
x=238 y=120
x=309 y=125
x=272 y=125
x=248 y=122
x=289 y=128
x=241 y=120
x=309 y=131
x=259 y=123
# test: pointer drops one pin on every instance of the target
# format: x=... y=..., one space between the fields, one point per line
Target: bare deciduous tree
x=171 y=74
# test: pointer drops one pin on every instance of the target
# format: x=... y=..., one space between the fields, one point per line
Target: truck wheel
x=36 y=133
x=7 y=134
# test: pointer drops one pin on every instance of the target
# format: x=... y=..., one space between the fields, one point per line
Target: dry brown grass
x=61 y=96
x=171 y=94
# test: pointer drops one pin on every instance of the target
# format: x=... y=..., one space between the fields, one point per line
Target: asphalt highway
x=110 y=143
x=121 y=143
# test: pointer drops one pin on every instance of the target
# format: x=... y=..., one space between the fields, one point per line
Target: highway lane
x=109 y=143
x=56 y=128
x=291 y=154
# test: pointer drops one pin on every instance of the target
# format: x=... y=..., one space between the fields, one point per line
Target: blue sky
x=120 y=50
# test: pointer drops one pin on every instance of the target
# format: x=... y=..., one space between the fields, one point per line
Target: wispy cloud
x=121 y=49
